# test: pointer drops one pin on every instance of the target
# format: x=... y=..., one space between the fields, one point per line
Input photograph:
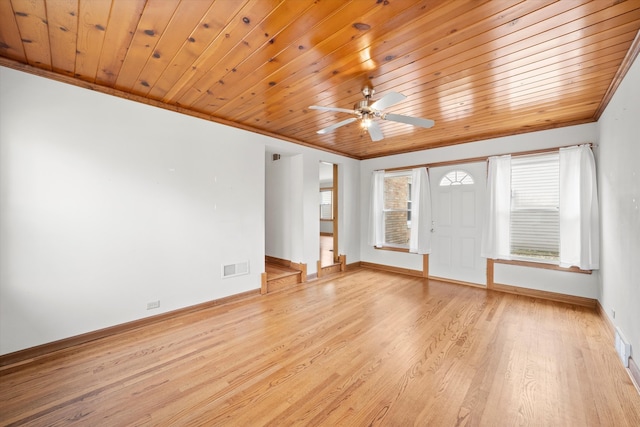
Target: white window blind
x=535 y=199
x=326 y=204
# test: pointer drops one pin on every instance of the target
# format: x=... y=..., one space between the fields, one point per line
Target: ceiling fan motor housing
x=363 y=109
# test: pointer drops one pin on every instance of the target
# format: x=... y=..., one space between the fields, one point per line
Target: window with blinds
x=326 y=204
x=535 y=200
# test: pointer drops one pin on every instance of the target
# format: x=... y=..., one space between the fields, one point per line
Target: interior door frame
x=334 y=204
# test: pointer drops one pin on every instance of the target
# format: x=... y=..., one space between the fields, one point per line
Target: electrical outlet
x=153 y=304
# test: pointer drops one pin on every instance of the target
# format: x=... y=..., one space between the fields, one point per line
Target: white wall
x=549 y=280
x=279 y=207
x=107 y=204
x=618 y=159
x=284 y=191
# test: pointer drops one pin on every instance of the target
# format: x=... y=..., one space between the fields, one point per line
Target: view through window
x=397 y=208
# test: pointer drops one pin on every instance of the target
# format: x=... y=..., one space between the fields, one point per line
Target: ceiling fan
x=368 y=110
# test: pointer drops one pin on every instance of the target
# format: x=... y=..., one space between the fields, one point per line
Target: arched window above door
x=456 y=177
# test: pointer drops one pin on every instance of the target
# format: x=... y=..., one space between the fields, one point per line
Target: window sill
x=392 y=248
x=547 y=266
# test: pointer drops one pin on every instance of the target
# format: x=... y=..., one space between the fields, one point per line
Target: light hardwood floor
x=360 y=348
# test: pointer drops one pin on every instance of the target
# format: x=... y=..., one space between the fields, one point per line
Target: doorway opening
x=329 y=259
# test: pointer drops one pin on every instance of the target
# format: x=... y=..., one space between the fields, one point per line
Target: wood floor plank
x=359 y=348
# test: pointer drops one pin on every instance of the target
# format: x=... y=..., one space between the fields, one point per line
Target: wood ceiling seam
x=10 y=38
x=410 y=101
x=117 y=39
x=337 y=88
x=589 y=83
x=181 y=24
x=283 y=83
x=282 y=77
x=203 y=64
x=492 y=87
x=93 y=19
x=249 y=88
x=237 y=33
x=31 y=20
x=63 y=31
x=441 y=52
x=153 y=23
x=575 y=46
x=208 y=32
x=448 y=86
x=231 y=76
x=400 y=89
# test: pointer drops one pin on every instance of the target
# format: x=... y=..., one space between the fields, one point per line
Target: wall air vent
x=232 y=270
x=623 y=348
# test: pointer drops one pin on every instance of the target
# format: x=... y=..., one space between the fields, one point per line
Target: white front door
x=458 y=198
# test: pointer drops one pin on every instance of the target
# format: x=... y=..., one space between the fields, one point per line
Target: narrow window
x=535 y=200
x=397 y=209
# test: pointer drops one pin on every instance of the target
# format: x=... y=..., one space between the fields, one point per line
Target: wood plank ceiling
x=478 y=68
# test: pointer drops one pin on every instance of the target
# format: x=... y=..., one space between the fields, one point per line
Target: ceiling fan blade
x=375 y=132
x=388 y=100
x=339 y=110
x=336 y=126
x=415 y=121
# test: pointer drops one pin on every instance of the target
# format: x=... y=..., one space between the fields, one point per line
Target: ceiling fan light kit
x=368 y=110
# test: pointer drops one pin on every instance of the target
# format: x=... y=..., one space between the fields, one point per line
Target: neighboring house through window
x=397 y=208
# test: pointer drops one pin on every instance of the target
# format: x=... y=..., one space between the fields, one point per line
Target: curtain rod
x=485 y=158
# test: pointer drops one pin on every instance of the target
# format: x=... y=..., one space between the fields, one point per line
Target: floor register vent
x=232 y=270
x=623 y=348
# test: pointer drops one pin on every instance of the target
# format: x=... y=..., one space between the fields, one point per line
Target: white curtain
x=496 y=233
x=376 y=206
x=420 y=237
x=579 y=232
